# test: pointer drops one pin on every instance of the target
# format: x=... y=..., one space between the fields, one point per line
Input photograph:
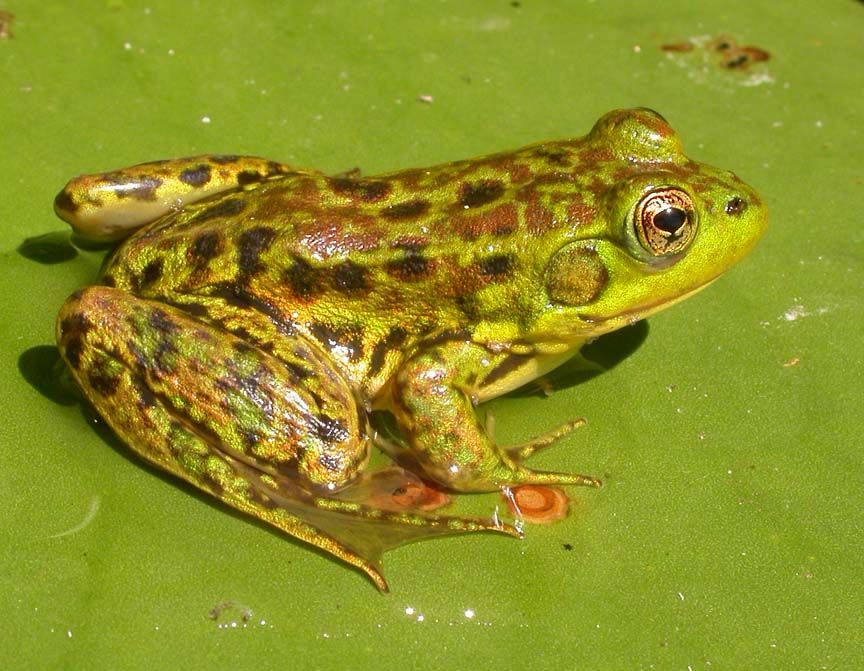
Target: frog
x=253 y=316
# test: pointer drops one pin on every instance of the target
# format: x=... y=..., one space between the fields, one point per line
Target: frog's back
x=425 y=250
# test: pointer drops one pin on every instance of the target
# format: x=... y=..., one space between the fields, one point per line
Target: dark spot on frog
x=329 y=430
x=297 y=372
x=498 y=264
x=65 y=202
x=236 y=295
x=249 y=177
x=227 y=207
x=146 y=397
x=242 y=347
x=349 y=277
x=331 y=463
x=483 y=192
x=150 y=274
x=144 y=189
x=567 y=546
x=193 y=309
x=467 y=303
x=288 y=465
x=161 y=322
x=735 y=206
x=394 y=339
x=499 y=221
x=510 y=363
x=224 y=159
x=406 y=210
x=215 y=487
x=251 y=245
x=197 y=176
x=346 y=338
x=102 y=383
x=250 y=437
x=276 y=168
x=554 y=157
x=366 y=190
x=303 y=278
x=412 y=267
x=204 y=247
x=73 y=329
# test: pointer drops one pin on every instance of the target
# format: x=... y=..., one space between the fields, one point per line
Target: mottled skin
x=240 y=341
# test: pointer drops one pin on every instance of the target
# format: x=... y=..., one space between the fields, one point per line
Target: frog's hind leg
x=111 y=205
x=236 y=422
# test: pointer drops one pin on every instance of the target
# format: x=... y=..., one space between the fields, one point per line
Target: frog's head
x=661 y=228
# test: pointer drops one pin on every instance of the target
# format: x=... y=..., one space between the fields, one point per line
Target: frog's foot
x=109 y=206
x=520 y=475
x=355 y=532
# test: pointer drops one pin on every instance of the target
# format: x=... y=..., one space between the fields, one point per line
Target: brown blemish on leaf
x=539 y=505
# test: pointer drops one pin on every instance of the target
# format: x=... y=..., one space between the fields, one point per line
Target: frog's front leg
x=433 y=401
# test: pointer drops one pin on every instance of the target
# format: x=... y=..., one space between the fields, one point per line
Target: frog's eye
x=665 y=221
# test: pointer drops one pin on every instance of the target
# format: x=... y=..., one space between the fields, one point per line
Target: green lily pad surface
x=728 y=533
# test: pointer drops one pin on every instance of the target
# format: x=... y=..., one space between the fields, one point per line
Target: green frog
x=256 y=314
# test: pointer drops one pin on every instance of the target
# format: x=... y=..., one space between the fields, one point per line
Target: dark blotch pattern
x=151 y=273
x=413 y=267
x=73 y=329
x=145 y=189
x=249 y=177
x=510 y=364
x=297 y=372
x=251 y=245
x=475 y=194
x=303 y=278
x=369 y=191
x=161 y=322
x=197 y=176
x=205 y=246
x=499 y=264
x=102 y=383
x=328 y=429
x=406 y=210
x=229 y=207
x=557 y=158
x=65 y=202
x=349 y=277
x=331 y=338
x=393 y=340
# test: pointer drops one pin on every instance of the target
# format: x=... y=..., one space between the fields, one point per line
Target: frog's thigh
x=110 y=205
x=160 y=377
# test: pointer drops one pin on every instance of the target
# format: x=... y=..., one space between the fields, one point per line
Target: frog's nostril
x=735 y=206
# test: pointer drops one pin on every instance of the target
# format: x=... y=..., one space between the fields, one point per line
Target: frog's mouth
x=616 y=320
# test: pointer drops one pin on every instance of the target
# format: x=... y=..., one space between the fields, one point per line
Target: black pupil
x=670 y=219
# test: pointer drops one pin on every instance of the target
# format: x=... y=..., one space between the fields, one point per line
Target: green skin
x=240 y=342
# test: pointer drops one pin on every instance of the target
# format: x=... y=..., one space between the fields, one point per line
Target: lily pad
x=727 y=534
